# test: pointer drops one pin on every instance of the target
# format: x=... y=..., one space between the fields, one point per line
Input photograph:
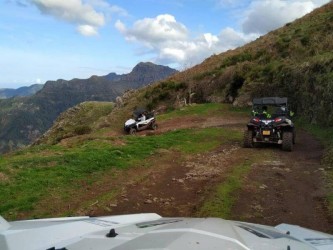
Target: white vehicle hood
x=151 y=231
x=130 y=122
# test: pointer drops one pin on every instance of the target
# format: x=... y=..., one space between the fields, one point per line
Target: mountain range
x=22 y=91
x=24 y=119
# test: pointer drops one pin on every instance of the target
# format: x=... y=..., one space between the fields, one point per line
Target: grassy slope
x=79 y=120
x=294 y=61
x=57 y=173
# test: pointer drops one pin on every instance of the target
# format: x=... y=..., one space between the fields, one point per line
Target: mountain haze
x=24 y=119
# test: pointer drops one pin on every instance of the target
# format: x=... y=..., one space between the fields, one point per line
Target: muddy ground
x=284 y=187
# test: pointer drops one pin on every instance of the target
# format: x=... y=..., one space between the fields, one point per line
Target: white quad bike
x=151 y=231
x=132 y=126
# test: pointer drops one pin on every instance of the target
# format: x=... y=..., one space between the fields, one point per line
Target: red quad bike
x=270 y=124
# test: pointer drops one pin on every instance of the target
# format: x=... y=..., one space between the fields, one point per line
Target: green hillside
x=294 y=61
x=79 y=120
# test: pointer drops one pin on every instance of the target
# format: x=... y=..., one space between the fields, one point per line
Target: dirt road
x=286 y=187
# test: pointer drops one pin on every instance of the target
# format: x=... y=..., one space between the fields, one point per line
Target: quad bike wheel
x=132 y=131
x=248 y=139
x=154 y=126
x=287 y=142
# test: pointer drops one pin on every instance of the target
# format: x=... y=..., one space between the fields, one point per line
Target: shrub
x=172 y=85
x=82 y=129
x=151 y=105
x=163 y=96
x=305 y=40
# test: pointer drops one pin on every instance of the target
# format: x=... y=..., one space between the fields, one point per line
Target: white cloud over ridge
x=171 y=43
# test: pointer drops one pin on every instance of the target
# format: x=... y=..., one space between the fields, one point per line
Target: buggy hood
x=151 y=231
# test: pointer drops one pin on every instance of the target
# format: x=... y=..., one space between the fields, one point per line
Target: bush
x=233 y=60
x=305 y=40
x=173 y=85
x=151 y=105
x=82 y=129
x=163 y=96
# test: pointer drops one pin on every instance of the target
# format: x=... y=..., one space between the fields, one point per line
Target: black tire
x=287 y=141
x=248 y=139
x=294 y=136
x=132 y=131
x=154 y=126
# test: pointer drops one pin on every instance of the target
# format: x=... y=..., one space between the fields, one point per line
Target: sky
x=44 y=40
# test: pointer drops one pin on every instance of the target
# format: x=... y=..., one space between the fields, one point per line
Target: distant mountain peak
x=144 y=66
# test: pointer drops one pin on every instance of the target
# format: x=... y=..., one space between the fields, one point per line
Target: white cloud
x=172 y=54
x=73 y=11
x=107 y=7
x=154 y=30
x=88 y=15
x=266 y=15
x=210 y=39
x=87 y=30
x=170 y=41
x=120 y=26
x=162 y=35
